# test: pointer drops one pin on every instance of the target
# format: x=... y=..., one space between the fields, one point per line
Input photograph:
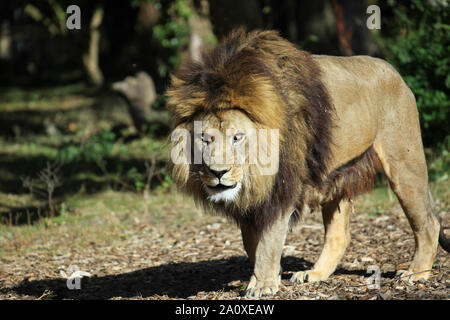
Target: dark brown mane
x=353 y=178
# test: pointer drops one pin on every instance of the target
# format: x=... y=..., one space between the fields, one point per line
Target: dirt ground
x=203 y=258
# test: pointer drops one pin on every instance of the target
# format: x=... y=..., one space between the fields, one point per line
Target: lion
x=338 y=121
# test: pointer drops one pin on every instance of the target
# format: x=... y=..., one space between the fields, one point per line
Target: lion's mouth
x=221 y=187
x=222 y=193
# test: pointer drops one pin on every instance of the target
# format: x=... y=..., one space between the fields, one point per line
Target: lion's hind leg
x=407 y=174
x=400 y=150
x=336 y=219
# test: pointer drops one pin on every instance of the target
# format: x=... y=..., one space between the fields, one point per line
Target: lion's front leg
x=264 y=250
x=336 y=219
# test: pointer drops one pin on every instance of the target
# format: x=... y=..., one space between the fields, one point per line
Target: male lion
x=339 y=120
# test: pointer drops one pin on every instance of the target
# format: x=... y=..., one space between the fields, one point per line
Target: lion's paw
x=259 y=288
x=410 y=276
x=307 y=276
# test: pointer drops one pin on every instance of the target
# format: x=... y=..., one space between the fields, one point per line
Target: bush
x=171 y=34
x=439 y=161
x=417 y=43
x=96 y=149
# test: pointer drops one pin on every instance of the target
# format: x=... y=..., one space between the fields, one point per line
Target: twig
x=150 y=169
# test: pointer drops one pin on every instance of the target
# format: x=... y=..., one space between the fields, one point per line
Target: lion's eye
x=238 y=137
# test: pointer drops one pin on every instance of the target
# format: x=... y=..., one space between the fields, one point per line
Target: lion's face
x=225 y=164
x=222 y=141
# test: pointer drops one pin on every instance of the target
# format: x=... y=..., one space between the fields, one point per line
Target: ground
x=138 y=238
x=165 y=248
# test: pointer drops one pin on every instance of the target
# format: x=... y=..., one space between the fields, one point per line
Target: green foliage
x=172 y=33
x=418 y=45
x=167 y=182
x=439 y=162
x=137 y=177
x=376 y=212
x=104 y=150
x=61 y=218
x=94 y=150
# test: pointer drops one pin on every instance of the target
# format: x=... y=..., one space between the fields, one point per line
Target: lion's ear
x=176 y=82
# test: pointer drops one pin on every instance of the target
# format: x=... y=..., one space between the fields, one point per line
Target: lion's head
x=252 y=123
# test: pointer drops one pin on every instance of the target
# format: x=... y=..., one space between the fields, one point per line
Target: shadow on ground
x=176 y=280
x=23 y=215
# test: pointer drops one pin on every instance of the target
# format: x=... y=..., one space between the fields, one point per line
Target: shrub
x=417 y=42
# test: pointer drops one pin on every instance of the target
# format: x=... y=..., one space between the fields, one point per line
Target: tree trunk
x=5 y=41
x=201 y=35
x=90 y=59
x=354 y=37
x=343 y=30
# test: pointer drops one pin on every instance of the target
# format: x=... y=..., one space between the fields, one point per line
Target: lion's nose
x=220 y=173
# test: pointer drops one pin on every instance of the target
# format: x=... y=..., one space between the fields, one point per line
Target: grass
x=382 y=199
x=105 y=218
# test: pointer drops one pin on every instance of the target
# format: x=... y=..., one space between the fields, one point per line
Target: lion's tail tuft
x=443 y=240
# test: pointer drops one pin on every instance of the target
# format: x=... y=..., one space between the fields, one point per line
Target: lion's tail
x=443 y=240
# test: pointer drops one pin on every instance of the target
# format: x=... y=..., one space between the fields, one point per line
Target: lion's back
x=368 y=95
